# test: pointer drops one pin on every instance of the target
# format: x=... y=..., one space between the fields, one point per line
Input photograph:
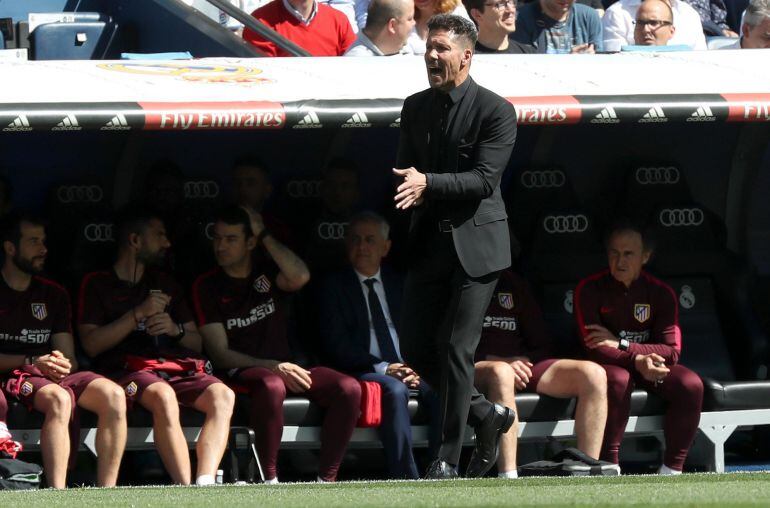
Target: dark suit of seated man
x=359 y=310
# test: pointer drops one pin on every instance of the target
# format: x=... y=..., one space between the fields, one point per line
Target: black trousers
x=441 y=319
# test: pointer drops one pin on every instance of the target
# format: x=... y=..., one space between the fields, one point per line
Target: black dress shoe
x=441 y=470
x=488 y=434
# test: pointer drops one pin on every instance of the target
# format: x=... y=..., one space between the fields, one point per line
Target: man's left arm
x=490 y=153
x=294 y=273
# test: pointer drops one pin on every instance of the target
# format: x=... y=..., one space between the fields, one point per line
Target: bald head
x=389 y=23
x=654 y=24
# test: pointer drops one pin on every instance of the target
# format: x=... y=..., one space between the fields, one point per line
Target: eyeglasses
x=654 y=24
x=502 y=4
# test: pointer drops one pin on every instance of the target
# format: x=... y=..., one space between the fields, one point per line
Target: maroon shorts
x=537 y=372
x=187 y=388
x=24 y=386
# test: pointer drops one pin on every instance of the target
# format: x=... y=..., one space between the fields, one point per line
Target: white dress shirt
x=374 y=346
x=618 y=25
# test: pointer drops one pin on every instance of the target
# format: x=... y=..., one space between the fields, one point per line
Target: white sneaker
x=667 y=471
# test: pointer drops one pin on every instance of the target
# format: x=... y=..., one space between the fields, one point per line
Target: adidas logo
x=702 y=114
x=396 y=123
x=654 y=115
x=607 y=115
x=310 y=121
x=358 y=119
x=68 y=123
x=20 y=124
x=118 y=123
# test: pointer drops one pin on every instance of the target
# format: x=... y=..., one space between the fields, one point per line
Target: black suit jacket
x=465 y=187
x=344 y=322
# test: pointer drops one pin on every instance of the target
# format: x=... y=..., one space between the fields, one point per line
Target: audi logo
x=677 y=217
x=79 y=194
x=565 y=223
x=543 y=179
x=208 y=230
x=201 y=190
x=332 y=230
x=657 y=176
x=98 y=232
x=299 y=189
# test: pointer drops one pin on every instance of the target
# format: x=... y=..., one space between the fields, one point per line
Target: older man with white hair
x=755 y=27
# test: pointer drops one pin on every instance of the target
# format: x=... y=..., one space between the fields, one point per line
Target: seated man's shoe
x=441 y=470
x=488 y=434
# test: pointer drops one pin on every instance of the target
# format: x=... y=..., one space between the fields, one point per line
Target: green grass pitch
x=696 y=490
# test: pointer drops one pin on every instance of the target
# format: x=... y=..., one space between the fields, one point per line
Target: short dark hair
x=234 y=215
x=133 y=219
x=381 y=11
x=250 y=160
x=479 y=5
x=10 y=225
x=462 y=28
x=626 y=224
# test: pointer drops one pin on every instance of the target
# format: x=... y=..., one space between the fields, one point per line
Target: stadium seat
x=648 y=186
x=533 y=192
x=89 y=36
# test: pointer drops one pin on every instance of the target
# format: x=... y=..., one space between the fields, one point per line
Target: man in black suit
x=456 y=139
x=359 y=308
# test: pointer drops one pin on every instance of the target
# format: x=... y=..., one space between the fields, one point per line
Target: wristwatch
x=181 y=333
x=623 y=344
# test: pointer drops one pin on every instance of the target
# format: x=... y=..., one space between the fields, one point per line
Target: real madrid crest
x=39 y=311
x=262 y=284
x=505 y=300
x=642 y=312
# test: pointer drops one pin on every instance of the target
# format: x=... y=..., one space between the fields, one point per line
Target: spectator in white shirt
x=618 y=25
x=654 y=24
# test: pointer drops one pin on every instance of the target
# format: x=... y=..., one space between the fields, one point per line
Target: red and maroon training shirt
x=251 y=309
x=29 y=318
x=646 y=314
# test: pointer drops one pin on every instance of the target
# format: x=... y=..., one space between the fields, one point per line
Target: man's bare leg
x=108 y=401
x=56 y=404
x=496 y=380
x=159 y=398
x=588 y=382
x=217 y=403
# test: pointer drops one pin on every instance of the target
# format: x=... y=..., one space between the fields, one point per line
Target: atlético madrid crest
x=505 y=300
x=262 y=284
x=39 y=311
x=642 y=312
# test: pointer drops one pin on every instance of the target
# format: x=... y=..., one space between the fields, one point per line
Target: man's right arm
x=11 y=362
x=218 y=350
x=406 y=156
x=97 y=339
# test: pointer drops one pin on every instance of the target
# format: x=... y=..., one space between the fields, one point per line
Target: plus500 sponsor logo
x=28 y=337
x=258 y=313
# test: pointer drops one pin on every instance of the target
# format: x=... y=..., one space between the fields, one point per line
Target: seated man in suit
x=515 y=354
x=359 y=308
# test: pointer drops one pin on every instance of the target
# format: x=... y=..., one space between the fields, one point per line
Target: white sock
x=509 y=474
x=205 y=479
x=272 y=481
x=321 y=480
x=667 y=471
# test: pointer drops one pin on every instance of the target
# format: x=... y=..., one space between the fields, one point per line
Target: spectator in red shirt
x=38 y=364
x=318 y=28
x=514 y=354
x=242 y=309
x=629 y=323
x=134 y=321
